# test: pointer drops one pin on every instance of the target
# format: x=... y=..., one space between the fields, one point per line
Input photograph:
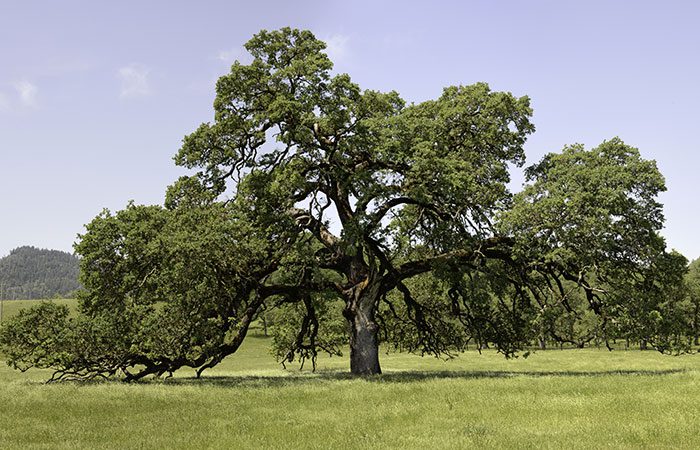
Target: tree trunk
x=364 y=331
x=542 y=343
x=364 y=347
x=696 y=324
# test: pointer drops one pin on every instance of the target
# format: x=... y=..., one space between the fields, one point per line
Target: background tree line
x=33 y=273
x=669 y=306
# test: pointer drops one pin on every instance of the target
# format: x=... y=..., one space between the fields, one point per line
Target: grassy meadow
x=11 y=307
x=554 y=399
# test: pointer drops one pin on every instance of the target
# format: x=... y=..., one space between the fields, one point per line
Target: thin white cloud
x=234 y=54
x=134 y=78
x=27 y=93
x=229 y=55
x=337 y=47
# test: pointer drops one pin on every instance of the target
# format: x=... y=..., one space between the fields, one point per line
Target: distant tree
x=591 y=219
x=317 y=199
x=652 y=305
x=578 y=325
x=692 y=280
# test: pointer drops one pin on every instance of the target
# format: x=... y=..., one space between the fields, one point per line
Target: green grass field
x=554 y=399
x=11 y=307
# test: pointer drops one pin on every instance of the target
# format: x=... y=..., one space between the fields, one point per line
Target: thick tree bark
x=364 y=347
x=364 y=331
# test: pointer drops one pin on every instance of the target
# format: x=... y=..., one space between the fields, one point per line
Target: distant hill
x=33 y=273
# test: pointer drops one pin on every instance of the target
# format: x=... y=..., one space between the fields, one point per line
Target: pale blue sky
x=95 y=97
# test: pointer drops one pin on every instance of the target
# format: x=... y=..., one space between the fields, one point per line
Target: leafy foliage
x=589 y=222
x=692 y=281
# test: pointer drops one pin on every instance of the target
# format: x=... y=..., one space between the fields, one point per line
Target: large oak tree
x=314 y=197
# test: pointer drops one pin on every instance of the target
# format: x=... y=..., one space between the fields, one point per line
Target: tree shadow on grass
x=395 y=377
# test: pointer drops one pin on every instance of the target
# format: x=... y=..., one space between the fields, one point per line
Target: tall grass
x=554 y=399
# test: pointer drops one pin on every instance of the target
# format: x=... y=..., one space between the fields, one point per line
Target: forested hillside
x=32 y=273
